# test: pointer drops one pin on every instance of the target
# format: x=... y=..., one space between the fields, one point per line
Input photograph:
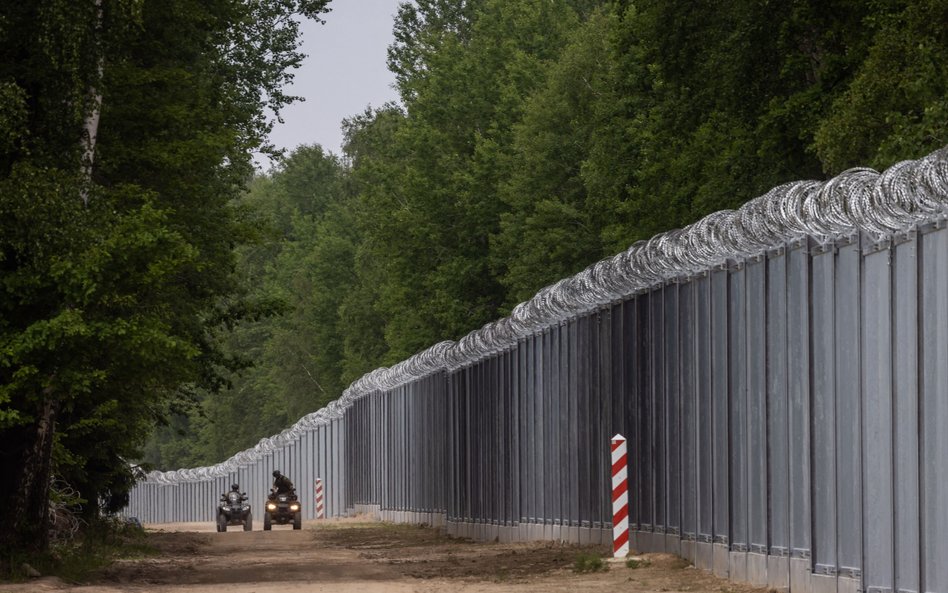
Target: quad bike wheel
x=298 y=520
x=221 y=522
x=248 y=522
x=266 y=522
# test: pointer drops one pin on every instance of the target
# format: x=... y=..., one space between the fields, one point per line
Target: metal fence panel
x=689 y=412
x=798 y=351
x=672 y=429
x=606 y=395
x=705 y=417
x=877 y=413
x=904 y=276
x=737 y=429
x=934 y=406
x=757 y=437
x=778 y=408
x=848 y=388
x=720 y=406
x=641 y=504
x=657 y=409
x=823 y=308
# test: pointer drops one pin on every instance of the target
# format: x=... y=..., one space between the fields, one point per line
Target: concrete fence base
x=372 y=510
x=432 y=519
x=754 y=568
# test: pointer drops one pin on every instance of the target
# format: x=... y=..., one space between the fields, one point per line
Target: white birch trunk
x=91 y=126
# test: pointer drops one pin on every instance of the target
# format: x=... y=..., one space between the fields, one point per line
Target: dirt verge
x=355 y=555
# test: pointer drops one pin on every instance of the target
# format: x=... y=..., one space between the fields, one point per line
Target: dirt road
x=349 y=556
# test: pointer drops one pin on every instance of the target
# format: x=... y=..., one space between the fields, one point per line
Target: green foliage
x=897 y=103
x=553 y=226
x=126 y=131
x=78 y=560
x=303 y=265
x=589 y=562
x=430 y=198
x=634 y=563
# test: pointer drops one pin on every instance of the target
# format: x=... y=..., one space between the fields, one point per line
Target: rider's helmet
x=276 y=473
x=235 y=487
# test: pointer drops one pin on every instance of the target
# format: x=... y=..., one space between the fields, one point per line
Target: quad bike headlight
x=271 y=506
x=294 y=507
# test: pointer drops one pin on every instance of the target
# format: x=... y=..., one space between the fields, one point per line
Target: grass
x=76 y=561
x=589 y=563
x=502 y=575
x=634 y=563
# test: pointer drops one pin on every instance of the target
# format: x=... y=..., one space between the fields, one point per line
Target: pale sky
x=343 y=73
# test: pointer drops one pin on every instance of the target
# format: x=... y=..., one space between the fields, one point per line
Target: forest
x=164 y=306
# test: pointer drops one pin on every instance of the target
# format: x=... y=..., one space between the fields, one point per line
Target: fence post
x=620 y=498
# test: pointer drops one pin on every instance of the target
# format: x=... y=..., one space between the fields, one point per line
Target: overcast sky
x=343 y=73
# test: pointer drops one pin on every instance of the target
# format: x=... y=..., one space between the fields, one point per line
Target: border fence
x=780 y=373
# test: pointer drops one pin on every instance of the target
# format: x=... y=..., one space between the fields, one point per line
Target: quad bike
x=282 y=508
x=233 y=509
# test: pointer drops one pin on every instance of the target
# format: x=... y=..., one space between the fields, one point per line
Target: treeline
x=534 y=137
x=126 y=133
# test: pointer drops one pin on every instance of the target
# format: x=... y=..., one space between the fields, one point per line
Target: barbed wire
x=64 y=524
x=856 y=200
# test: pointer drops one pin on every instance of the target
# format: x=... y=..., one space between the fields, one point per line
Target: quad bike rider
x=233 y=509
x=283 y=506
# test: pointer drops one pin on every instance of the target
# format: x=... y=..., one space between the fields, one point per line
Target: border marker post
x=620 y=497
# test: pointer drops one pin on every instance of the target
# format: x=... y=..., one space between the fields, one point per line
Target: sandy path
x=349 y=556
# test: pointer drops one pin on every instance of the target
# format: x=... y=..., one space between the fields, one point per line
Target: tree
x=421 y=30
x=464 y=70
x=303 y=266
x=312 y=274
x=116 y=254
x=897 y=103
x=553 y=224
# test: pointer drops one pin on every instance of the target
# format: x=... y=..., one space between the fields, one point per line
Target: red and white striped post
x=320 y=507
x=620 y=498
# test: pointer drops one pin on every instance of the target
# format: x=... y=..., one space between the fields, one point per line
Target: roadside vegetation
x=76 y=556
x=589 y=562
